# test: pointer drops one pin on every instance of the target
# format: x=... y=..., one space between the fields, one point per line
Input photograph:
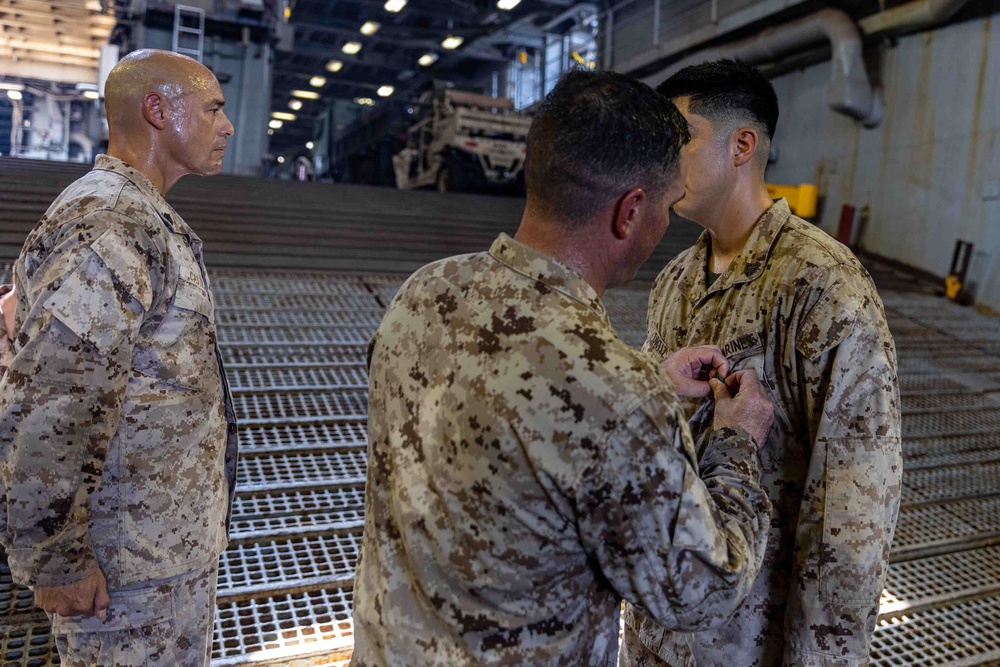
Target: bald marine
x=118 y=454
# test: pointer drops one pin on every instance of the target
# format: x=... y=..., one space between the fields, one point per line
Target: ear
x=745 y=142
x=154 y=110
x=629 y=212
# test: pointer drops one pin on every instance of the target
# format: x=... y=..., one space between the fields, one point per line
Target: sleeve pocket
x=93 y=307
x=854 y=552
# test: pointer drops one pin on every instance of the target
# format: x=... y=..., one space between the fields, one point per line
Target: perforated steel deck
x=295 y=346
x=28 y=645
x=302 y=407
x=291 y=512
x=274 y=629
x=958 y=635
x=290 y=437
x=246 y=380
x=919 y=584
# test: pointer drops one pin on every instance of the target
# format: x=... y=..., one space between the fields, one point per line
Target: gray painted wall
x=930 y=172
x=247 y=93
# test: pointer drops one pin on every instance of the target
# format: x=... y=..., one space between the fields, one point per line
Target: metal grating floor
x=295 y=347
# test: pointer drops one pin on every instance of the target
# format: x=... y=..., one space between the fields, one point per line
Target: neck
x=732 y=226
x=142 y=157
x=569 y=247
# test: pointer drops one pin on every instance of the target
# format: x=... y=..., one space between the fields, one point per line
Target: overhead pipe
x=850 y=92
x=911 y=17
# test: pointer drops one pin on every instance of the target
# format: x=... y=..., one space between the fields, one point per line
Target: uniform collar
x=748 y=265
x=546 y=270
x=169 y=216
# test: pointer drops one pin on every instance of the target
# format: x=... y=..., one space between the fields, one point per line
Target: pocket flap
x=128 y=609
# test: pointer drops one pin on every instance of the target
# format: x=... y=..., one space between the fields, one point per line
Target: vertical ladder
x=185 y=17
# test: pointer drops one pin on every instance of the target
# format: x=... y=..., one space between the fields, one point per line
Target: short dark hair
x=596 y=136
x=726 y=89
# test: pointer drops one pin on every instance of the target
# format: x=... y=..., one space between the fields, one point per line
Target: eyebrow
x=217 y=103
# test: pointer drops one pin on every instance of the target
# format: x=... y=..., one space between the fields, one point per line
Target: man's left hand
x=8 y=303
x=689 y=370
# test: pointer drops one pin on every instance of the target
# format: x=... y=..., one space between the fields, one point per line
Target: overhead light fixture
x=4 y=85
x=351 y=48
x=275 y=125
x=370 y=28
x=334 y=66
x=386 y=91
x=305 y=94
x=507 y=5
x=270 y=132
x=281 y=160
x=428 y=59
x=364 y=101
x=309 y=145
x=395 y=6
x=281 y=115
x=295 y=105
x=452 y=42
x=14 y=94
x=317 y=81
x=92 y=94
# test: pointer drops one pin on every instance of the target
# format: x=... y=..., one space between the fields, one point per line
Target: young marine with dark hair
x=781 y=297
x=527 y=468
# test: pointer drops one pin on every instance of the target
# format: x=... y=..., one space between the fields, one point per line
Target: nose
x=227 y=130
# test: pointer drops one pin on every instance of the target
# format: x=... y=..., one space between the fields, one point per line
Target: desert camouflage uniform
x=799 y=308
x=117 y=431
x=528 y=470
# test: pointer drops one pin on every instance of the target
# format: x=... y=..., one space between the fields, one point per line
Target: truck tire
x=450 y=178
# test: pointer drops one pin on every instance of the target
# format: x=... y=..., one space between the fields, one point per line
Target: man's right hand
x=87 y=597
x=741 y=402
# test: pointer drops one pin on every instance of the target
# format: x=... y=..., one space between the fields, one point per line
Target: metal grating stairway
x=295 y=347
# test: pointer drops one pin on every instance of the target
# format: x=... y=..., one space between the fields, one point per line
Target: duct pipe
x=849 y=92
x=910 y=17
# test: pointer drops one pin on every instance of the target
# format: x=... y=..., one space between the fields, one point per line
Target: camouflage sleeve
x=683 y=546
x=62 y=396
x=847 y=367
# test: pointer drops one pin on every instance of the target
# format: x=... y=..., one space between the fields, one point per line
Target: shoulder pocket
x=126 y=264
x=91 y=305
x=829 y=322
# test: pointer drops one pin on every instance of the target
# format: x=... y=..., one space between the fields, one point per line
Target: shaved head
x=149 y=71
x=165 y=111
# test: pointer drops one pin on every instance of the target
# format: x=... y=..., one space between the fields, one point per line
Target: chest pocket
x=191 y=294
x=750 y=352
x=180 y=350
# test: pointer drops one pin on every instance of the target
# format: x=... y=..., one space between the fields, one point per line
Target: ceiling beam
x=58 y=17
x=52 y=47
x=51 y=58
x=61 y=73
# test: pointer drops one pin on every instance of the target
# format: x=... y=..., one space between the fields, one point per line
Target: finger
x=719 y=389
x=695 y=389
x=101 y=602
x=709 y=355
x=743 y=378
